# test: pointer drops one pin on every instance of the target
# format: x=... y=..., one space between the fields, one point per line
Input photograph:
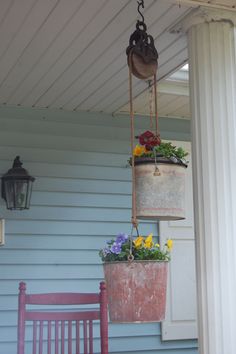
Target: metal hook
x=141 y=3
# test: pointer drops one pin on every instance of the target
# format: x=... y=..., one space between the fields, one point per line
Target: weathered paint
x=160 y=196
x=136 y=290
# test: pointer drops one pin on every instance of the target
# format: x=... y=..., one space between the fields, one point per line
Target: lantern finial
x=17 y=163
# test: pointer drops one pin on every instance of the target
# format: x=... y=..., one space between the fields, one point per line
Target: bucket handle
x=130 y=257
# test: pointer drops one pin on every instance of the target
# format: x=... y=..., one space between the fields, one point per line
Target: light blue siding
x=81 y=197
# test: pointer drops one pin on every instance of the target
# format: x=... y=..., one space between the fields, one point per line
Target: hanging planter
x=136 y=290
x=159 y=180
x=136 y=278
x=160 y=195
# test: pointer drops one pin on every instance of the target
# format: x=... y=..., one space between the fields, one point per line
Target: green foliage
x=153 y=254
x=168 y=150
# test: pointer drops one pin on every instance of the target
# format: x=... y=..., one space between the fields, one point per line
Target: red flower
x=149 y=140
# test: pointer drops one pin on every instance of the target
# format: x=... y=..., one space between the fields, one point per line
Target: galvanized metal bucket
x=136 y=290
x=160 y=196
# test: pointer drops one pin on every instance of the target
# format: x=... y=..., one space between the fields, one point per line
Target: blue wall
x=81 y=197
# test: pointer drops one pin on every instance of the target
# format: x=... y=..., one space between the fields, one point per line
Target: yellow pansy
x=138 y=242
x=139 y=150
x=169 y=244
x=148 y=242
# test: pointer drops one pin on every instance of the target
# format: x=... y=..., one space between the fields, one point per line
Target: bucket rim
x=137 y=261
x=160 y=159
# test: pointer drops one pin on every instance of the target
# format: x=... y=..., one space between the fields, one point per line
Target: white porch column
x=212 y=60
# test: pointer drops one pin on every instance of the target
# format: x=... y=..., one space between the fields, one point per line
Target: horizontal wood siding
x=81 y=197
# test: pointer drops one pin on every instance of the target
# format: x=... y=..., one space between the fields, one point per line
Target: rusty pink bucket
x=136 y=290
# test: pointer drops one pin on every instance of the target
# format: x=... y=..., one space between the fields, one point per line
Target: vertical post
x=103 y=318
x=212 y=61
x=21 y=318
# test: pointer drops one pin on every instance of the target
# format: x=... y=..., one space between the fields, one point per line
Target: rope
x=150 y=96
x=134 y=209
x=156 y=113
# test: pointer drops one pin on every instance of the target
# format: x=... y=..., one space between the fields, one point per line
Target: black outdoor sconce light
x=17 y=186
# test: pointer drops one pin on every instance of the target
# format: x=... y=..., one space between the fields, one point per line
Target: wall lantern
x=17 y=186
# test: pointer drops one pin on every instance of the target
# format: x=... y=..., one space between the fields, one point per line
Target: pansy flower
x=116 y=248
x=148 y=242
x=139 y=150
x=149 y=140
x=169 y=244
x=138 y=242
x=121 y=238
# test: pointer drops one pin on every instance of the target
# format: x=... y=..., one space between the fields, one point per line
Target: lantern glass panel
x=16 y=193
x=29 y=191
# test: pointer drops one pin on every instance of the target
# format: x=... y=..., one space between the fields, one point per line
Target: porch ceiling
x=172 y=98
x=70 y=54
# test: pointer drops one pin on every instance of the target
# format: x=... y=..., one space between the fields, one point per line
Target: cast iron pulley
x=141 y=52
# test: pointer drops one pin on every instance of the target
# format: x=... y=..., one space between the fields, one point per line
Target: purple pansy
x=121 y=238
x=106 y=251
x=116 y=248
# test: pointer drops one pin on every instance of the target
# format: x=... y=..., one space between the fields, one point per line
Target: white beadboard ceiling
x=226 y=4
x=172 y=99
x=70 y=54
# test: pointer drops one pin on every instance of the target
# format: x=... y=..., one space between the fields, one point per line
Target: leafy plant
x=150 y=146
x=141 y=249
x=168 y=150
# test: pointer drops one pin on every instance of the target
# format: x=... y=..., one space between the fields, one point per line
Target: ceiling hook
x=141 y=4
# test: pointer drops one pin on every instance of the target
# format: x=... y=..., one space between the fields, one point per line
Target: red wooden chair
x=62 y=331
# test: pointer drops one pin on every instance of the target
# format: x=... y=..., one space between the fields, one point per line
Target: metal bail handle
x=130 y=257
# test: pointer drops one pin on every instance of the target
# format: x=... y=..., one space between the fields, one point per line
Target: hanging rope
x=155 y=102
x=134 y=210
x=150 y=97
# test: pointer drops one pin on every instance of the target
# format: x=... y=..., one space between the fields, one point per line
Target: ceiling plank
x=32 y=20
x=13 y=13
x=35 y=83
x=64 y=71
x=52 y=27
x=5 y=8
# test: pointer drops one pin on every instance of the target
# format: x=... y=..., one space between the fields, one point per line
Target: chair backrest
x=62 y=331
